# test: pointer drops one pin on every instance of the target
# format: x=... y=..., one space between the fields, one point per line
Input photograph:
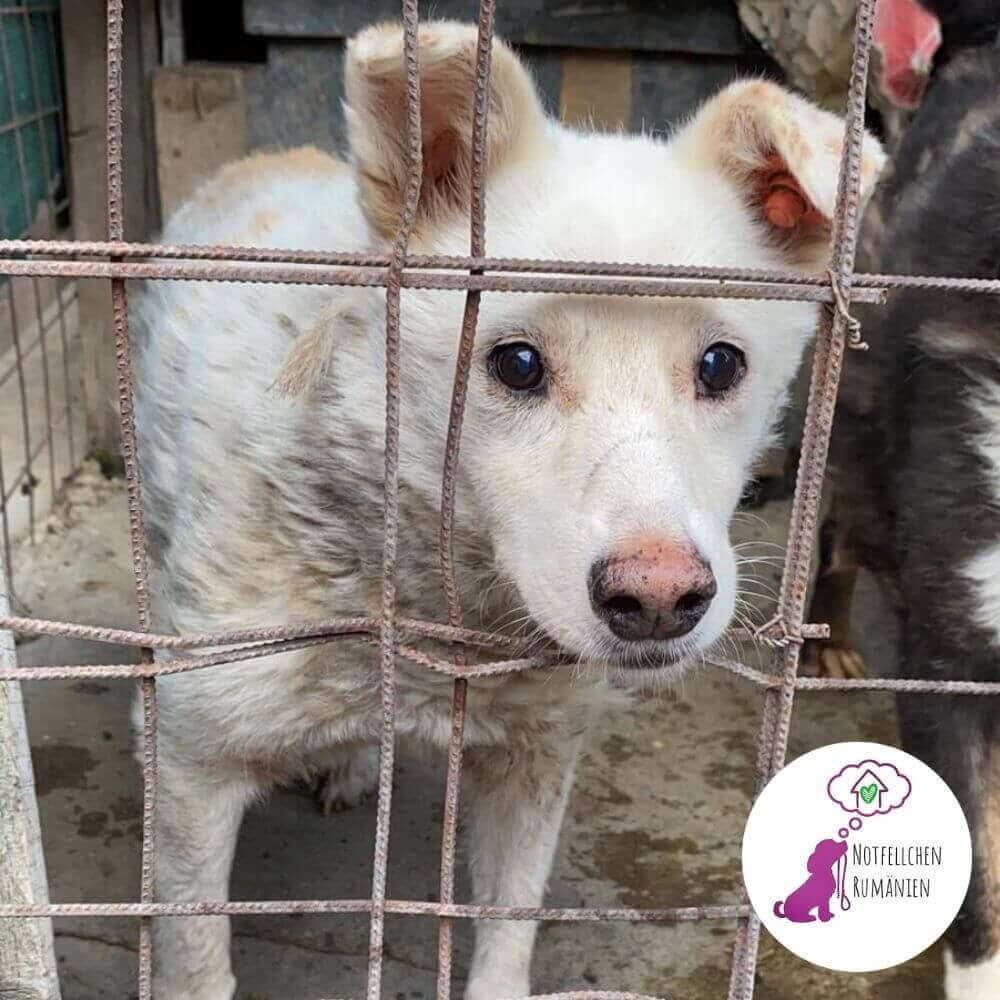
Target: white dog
x=605 y=446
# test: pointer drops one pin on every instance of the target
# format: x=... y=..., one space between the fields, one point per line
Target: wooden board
x=200 y=123
x=597 y=90
x=295 y=99
x=84 y=47
x=667 y=88
x=705 y=26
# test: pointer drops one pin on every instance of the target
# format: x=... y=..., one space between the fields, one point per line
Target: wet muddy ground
x=655 y=820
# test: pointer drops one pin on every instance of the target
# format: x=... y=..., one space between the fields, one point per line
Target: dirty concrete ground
x=655 y=819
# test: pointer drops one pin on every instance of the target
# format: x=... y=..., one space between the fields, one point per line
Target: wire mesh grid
x=784 y=634
x=37 y=318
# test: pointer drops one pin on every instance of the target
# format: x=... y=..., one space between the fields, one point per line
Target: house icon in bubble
x=868 y=791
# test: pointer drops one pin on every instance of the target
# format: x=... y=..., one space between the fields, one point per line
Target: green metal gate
x=39 y=366
x=32 y=172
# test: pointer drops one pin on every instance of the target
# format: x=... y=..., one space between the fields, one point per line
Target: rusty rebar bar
x=827 y=359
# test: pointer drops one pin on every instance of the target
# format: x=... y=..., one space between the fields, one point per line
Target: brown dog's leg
x=831 y=602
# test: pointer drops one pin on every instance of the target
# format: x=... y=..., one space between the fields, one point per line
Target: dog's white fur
x=260 y=410
x=981 y=981
x=971 y=982
x=983 y=571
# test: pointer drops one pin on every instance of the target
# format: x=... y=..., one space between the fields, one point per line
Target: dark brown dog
x=915 y=457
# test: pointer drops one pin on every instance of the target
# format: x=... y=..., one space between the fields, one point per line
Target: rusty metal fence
x=39 y=373
x=117 y=261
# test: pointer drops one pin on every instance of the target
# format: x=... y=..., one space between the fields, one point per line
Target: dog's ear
x=376 y=114
x=783 y=153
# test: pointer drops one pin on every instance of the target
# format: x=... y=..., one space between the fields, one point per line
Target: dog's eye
x=519 y=366
x=720 y=368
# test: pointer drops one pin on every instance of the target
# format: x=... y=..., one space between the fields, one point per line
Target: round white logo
x=857 y=857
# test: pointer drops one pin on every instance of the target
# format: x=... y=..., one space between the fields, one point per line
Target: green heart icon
x=868 y=793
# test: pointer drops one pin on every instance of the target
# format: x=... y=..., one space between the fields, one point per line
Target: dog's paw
x=347 y=778
x=831 y=659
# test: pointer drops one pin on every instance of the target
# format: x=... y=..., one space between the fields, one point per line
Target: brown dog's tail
x=777 y=909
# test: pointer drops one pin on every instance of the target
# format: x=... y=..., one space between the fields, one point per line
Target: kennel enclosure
x=114 y=260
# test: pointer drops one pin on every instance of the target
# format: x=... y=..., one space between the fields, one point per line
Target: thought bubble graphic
x=869 y=788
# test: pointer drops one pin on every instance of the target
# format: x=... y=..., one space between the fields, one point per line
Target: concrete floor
x=655 y=819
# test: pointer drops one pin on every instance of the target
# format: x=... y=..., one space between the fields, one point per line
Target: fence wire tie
x=767 y=632
x=841 y=308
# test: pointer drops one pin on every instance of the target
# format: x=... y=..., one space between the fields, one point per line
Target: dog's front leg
x=198 y=815
x=517 y=798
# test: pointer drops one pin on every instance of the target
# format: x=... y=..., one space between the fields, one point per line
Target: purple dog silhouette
x=817 y=890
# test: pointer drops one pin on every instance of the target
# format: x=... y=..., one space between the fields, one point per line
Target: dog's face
x=607 y=438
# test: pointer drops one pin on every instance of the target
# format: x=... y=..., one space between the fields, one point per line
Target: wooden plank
x=171 y=33
x=668 y=87
x=705 y=26
x=84 y=26
x=597 y=90
x=295 y=99
x=200 y=123
x=83 y=30
x=546 y=67
x=141 y=61
x=27 y=958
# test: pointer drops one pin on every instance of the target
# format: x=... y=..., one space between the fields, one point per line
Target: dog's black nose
x=651 y=588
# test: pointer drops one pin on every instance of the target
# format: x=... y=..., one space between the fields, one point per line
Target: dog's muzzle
x=651 y=588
